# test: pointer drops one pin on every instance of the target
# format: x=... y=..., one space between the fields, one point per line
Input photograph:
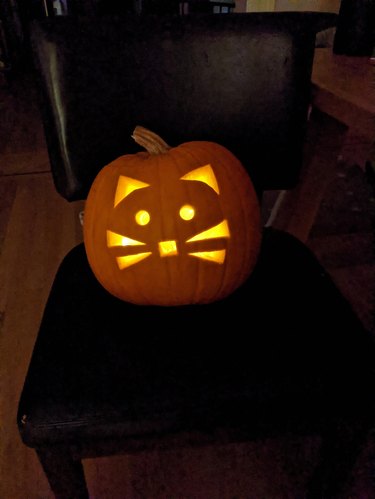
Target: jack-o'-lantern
x=172 y=225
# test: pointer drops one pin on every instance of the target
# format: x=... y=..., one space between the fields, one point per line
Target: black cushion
x=285 y=348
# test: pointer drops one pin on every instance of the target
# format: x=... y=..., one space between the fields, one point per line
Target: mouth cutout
x=169 y=248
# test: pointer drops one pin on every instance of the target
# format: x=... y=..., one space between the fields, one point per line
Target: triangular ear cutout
x=125 y=186
x=203 y=174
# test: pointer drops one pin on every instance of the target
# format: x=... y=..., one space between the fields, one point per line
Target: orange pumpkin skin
x=157 y=241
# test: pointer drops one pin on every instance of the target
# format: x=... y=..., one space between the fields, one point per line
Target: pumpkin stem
x=150 y=141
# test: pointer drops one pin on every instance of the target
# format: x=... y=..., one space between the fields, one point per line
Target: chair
x=284 y=352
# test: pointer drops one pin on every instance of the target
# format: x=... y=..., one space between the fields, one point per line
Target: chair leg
x=65 y=474
x=340 y=449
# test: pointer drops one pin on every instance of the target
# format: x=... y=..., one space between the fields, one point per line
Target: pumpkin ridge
x=164 y=164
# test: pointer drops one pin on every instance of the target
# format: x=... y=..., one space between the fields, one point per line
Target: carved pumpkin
x=172 y=226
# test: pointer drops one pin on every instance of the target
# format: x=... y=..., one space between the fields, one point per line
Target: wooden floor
x=37 y=228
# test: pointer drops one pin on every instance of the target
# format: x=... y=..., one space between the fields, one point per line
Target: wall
x=296 y=5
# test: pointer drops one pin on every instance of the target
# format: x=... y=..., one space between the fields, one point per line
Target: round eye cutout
x=187 y=212
x=142 y=217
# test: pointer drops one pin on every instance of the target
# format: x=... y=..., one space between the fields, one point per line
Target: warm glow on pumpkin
x=187 y=212
x=212 y=256
x=220 y=230
x=149 y=217
x=203 y=174
x=142 y=217
x=126 y=186
x=114 y=239
x=168 y=248
x=127 y=261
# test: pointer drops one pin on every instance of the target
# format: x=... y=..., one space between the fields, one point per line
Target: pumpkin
x=172 y=225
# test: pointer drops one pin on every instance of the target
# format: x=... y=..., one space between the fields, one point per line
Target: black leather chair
x=285 y=352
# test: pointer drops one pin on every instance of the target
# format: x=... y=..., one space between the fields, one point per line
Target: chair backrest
x=242 y=80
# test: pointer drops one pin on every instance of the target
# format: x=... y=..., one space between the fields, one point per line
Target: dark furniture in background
x=12 y=36
x=4 y=51
x=16 y=16
x=285 y=352
x=355 y=32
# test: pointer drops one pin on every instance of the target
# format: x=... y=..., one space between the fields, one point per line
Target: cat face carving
x=176 y=228
x=185 y=213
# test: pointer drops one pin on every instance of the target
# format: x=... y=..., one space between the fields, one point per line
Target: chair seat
x=286 y=342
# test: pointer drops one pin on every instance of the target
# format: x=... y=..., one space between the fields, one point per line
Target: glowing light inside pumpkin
x=203 y=174
x=187 y=212
x=125 y=186
x=127 y=261
x=168 y=248
x=219 y=230
x=114 y=239
x=213 y=256
x=142 y=217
